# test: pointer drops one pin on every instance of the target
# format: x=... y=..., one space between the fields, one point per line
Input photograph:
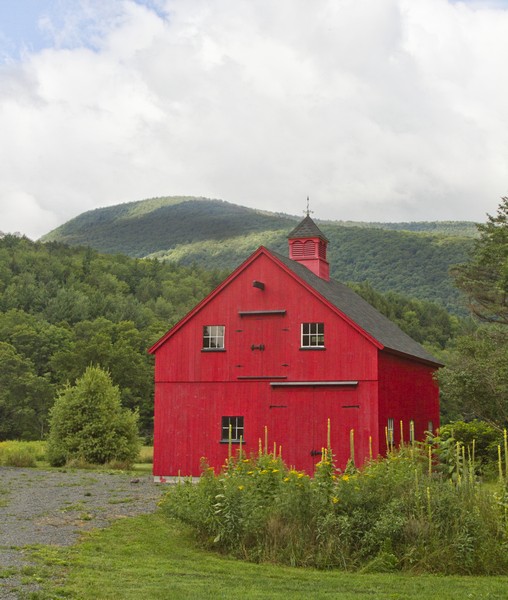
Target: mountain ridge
x=411 y=258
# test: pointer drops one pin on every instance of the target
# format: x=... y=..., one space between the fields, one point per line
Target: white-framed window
x=213 y=337
x=389 y=429
x=313 y=335
x=233 y=424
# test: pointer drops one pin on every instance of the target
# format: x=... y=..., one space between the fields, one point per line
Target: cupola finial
x=307 y=211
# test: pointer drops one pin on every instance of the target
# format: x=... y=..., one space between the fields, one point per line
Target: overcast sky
x=379 y=110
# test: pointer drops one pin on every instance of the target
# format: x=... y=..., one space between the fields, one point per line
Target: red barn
x=274 y=352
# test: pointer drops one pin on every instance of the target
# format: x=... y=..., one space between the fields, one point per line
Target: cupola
x=307 y=245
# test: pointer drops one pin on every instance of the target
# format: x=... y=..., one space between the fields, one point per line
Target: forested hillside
x=408 y=258
x=63 y=309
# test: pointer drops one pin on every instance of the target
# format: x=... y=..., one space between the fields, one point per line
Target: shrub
x=485 y=436
x=88 y=423
x=390 y=515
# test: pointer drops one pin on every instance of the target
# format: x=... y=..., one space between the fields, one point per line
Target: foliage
x=479 y=438
x=475 y=380
x=392 y=515
x=88 y=423
x=485 y=277
x=411 y=258
x=62 y=309
x=25 y=397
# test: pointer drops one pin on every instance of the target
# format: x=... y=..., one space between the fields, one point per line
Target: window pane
x=213 y=336
x=236 y=425
x=390 y=431
x=313 y=334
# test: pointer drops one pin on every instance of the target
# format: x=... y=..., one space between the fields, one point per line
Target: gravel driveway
x=54 y=507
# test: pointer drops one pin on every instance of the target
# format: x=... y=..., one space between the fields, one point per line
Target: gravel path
x=51 y=507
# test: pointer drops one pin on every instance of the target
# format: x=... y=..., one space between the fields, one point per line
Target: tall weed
x=394 y=514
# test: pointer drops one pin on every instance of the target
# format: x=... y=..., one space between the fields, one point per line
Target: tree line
x=64 y=309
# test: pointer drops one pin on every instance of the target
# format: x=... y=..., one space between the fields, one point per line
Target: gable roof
x=307 y=228
x=358 y=310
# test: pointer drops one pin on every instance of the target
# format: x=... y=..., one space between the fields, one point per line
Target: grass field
x=150 y=557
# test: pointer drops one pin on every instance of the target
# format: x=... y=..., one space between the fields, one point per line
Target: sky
x=378 y=110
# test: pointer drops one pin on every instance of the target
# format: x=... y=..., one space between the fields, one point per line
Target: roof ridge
x=360 y=311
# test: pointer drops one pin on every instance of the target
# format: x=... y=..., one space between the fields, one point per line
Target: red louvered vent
x=297 y=248
x=322 y=250
x=309 y=248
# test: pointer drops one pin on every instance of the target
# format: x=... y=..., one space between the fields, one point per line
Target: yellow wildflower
x=335 y=500
x=345 y=477
x=240 y=487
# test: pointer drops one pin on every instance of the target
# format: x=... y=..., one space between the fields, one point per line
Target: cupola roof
x=307 y=229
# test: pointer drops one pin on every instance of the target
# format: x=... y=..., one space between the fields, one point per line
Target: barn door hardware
x=316 y=452
x=260 y=347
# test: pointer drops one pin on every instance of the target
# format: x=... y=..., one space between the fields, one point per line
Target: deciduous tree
x=474 y=384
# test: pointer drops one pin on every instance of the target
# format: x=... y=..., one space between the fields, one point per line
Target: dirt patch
x=55 y=507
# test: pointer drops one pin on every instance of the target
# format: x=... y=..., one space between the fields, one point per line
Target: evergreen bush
x=89 y=424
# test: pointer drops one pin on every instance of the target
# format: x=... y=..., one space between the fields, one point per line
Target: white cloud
x=377 y=109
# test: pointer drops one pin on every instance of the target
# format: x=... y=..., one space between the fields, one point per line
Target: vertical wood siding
x=407 y=391
x=195 y=389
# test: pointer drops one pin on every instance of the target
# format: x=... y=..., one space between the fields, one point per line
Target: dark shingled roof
x=361 y=312
x=307 y=228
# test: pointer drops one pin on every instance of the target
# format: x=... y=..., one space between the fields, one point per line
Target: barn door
x=298 y=421
x=262 y=346
x=295 y=426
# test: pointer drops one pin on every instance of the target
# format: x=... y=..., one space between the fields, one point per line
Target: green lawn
x=150 y=558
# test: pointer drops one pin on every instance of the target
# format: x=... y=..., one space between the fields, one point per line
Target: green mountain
x=407 y=258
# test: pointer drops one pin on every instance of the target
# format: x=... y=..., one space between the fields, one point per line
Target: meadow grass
x=156 y=558
x=22 y=454
x=14 y=453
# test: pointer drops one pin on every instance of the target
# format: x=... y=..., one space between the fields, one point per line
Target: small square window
x=213 y=337
x=313 y=335
x=233 y=425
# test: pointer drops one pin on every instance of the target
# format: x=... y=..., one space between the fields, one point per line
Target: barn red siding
x=189 y=418
x=348 y=354
x=194 y=389
x=407 y=391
